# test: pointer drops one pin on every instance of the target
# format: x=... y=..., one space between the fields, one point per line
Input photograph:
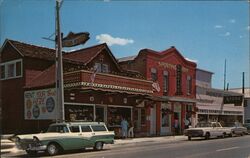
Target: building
x=215 y=104
x=246 y=102
x=96 y=88
x=173 y=100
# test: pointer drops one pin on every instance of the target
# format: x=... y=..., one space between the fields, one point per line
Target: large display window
x=116 y=113
x=79 y=112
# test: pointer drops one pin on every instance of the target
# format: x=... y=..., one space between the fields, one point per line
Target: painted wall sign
x=40 y=104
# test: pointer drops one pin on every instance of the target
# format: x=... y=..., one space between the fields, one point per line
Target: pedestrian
x=186 y=122
x=176 y=125
x=124 y=125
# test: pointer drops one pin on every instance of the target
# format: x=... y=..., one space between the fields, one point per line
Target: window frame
x=165 y=82
x=6 y=66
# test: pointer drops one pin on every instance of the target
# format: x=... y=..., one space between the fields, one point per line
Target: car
x=236 y=128
x=247 y=125
x=66 y=136
x=207 y=130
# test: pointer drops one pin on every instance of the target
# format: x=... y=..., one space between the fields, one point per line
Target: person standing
x=124 y=125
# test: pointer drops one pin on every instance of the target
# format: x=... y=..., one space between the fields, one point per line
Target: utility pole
x=225 y=71
x=243 y=82
x=59 y=65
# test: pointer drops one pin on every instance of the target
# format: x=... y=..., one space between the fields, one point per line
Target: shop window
x=143 y=116
x=2 y=71
x=178 y=80
x=154 y=74
x=115 y=115
x=165 y=82
x=98 y=128
x=86 y=129
x=79 y=112
x=74 y=129
x=189 y=85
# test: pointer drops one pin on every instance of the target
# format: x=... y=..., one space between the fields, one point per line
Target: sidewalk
x=149 y=139
x=8 y=146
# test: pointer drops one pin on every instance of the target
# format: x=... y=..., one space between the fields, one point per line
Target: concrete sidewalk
x=8 y=146
x=149 y=139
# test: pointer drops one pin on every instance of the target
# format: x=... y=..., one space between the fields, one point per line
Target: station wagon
x=66 y=136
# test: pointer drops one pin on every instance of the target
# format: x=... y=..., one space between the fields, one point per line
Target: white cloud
x=226 y=34
x=106 y=38
x=232 y=21
x=248 y=28
x=218 y=26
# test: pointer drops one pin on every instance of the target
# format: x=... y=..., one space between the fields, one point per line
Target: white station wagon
x=66 y=136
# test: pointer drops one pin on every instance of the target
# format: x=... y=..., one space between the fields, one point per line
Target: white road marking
x=236 y=147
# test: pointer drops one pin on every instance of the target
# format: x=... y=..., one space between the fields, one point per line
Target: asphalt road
x=236 y=147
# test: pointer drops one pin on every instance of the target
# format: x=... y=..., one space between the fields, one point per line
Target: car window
x=86 y=129
x=97 y=128
x=58 y=128
x=74 y=129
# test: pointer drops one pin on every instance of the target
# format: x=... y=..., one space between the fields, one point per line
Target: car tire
x=189 y=137
x=98 y=146
x=52 y=149
x=207 y=136
x=31 y=153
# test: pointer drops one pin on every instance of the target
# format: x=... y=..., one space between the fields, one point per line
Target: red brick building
x=174 y=88
x=28 y=94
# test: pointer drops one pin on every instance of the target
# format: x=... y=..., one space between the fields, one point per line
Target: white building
x=246 y=102
x=215 y=104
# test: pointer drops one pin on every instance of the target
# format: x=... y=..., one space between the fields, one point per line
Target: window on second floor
x=189 y=85
x=154 y=74
x=178 y=80
x=102 y=67
x=165 y=82
x=11 y=69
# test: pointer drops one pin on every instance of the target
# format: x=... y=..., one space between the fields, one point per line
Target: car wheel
x=223 y=135
x=207 y=136
x=30 y=152
x=189 y=137
x=52 y=149
x=98 y=146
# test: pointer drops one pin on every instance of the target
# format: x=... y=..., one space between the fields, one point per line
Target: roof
x=85 y=55
x=33 y=51
x=129 y=58
x=204 y=70
x=45 y=78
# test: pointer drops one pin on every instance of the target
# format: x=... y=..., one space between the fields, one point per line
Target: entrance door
x=177 y=116
x=99 y=113
x=153 y=120
x=165 y=119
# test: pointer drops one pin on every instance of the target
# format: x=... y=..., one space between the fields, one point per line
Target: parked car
x=247 y=125
x=207 y=130
x=236 y=128
x=66 y=136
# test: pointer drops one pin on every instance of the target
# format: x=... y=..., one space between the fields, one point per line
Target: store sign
x=40 y=104
x=171 y=66
x=233 y=100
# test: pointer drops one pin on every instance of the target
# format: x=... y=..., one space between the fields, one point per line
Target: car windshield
x=203 y=124
x=58 y=129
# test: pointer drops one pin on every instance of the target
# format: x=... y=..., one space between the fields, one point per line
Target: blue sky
x=205 y=31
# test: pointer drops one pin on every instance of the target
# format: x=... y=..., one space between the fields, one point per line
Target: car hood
x=40 y=136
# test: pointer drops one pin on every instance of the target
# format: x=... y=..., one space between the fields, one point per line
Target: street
x=236 y=147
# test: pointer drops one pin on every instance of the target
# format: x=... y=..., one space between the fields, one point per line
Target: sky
x=207 y=32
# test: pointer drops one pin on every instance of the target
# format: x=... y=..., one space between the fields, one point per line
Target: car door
x=86 y=135
x=73 y=139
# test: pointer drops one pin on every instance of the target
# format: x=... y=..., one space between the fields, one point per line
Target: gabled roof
x=33 y=51
x=86 y=55
x=167 y=52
